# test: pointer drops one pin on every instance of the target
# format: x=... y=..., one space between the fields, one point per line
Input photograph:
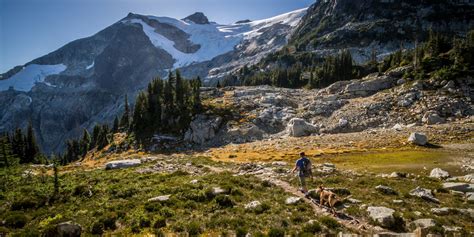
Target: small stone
x=279 y=163
x=162 y=198
x=354 y=201
x=69 y=228
x=398 y=201
x=424 y=223
x=218 y=190
x=470 y=197
x=382 y=215
x=252 y=205
x=439 y=173
x=386 y=190
x=441 y=211
x=194 y=181
x=462 y=187
x=120 y=164
x=292 y=200
x=418 y=139
x=424 y=193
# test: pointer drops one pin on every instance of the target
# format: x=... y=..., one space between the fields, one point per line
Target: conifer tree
x=31 y=147
x=85 y=142
x=125 y=120
x=18 y=145
x=116 y=125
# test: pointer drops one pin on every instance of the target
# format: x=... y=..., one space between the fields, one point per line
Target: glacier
x=215 y=39
x=25 y=79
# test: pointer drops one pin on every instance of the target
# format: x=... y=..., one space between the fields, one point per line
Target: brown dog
x=327 y=197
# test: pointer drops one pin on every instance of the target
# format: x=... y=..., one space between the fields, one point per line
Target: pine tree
x=95 y=135
x=103 y=138
x=140 y=117
x=125 y=120
x=196 y=95
x=116 y=125
x=155 y=93
x=18 y=145
x=31 y=147
x=6 y=155
x=85 y=142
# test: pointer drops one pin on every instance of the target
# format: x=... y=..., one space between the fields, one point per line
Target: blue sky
x=32 y=28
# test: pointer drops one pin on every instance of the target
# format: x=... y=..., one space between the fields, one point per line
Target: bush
x=160 y=222
x=97 y=228
x=224 y=201
x=276 y=232
x=109 y=220
x=329 y=222
x=166 y=212
x=262 y=208
x=16 y=220
x=23 y=204
x=241 y=232
x=194 y=229
x=144 y=222
x=313 y=227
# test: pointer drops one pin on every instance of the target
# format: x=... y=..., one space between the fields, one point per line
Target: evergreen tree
x=103 y=138
x=155 y=93
x=18 y=145
x=116 y=125
x=196 y=95
x=140 y=117
x=7 y=158
x=85 y=143
x=125 y=120
x=31 y=147
x=95 y=135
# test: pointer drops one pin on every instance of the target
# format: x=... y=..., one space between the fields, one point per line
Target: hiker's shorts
x=302 y=181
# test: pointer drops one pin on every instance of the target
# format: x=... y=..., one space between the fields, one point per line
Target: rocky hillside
x=84 y=82
x=376 y=101
x=378 y=27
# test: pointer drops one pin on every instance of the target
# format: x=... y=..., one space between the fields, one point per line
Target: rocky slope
x=378 y=26
x=84 y=82
x=376 y=101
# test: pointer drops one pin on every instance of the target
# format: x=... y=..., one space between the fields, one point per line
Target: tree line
x=20 y=147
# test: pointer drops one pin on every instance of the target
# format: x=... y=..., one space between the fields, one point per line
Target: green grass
x=118 y=204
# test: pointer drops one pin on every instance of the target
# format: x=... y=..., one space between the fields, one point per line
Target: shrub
x=109 y=220
x=97 y=228
x=16 y=220
x=152 y=206
x=329 y=222
x=194 y=229
x=224 y=201
x=276 y=232
x=23 y=204
x=144 y=222
x=241 y=232
x=160 y=222
x=313 y=227
x=262 y=208
x=166 y=212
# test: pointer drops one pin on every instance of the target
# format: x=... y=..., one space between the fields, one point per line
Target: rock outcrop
x=120 y=164
x=202 y=129
x=298 y=127
x=382 y=215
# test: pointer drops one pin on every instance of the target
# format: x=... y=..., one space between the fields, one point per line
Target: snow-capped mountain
x=84 y=82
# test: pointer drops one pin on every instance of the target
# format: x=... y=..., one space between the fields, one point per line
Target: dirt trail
x=356 y=225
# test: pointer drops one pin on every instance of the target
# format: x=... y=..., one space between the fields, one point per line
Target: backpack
x=307 y=168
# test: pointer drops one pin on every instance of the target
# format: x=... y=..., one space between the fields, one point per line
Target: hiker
x=303 y=165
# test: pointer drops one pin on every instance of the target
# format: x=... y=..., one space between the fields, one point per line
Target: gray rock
x=382 y=215
x=119 y=164
x=439 y=173
x=69 y=229
x=424 y=223
x=202 y=129
x=462 y=187
x=279 y=163
x=218 y=190
x=252 y=205
x=442 y=211
x=431 y=117
x=292 y=200
x=162 y=198
x=418 y=139
x=386 y=190
x=470 y=197
x=450 y=85
x=423 y=193
x=298 y=127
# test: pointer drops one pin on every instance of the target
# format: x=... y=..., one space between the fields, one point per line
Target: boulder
x=120 y=164
x=418 y=139
x=370 y=85
x=292 y=200
x=202 y=129
x=252 y=205
x=218 y=190
x=432 y=117
x=397 y=175
x=386 y=190
x=382 y=215
x=470 y=197
x=69 y=229
x=439 y=173
x=468 y=178
x=423 y=223
x=462 y=187
x=397 y=127
x=423 y=193
x=162 y=198
x=279 y=163
x=442 y=211
x=298 y=127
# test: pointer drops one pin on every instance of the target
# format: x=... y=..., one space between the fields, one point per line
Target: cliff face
x=382 y=26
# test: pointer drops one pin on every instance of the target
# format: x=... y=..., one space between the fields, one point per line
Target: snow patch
x=25 y=79
x=214 y=39
x=90 y=66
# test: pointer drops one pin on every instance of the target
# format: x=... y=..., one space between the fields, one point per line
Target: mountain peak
x=198 y=18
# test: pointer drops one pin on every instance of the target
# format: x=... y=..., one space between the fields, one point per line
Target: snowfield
x=214 y=39
x=30 y=75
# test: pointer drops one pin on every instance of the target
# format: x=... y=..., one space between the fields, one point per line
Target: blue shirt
x=300 y=163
